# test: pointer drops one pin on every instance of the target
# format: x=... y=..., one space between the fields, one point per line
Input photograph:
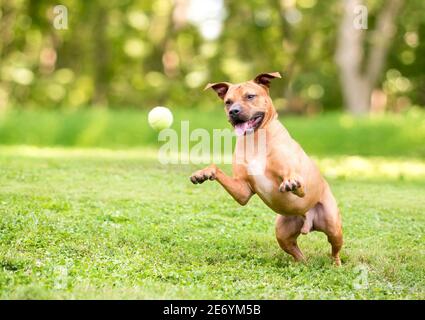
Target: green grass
x=87 y=211
x=329 y=134
x=95 y=223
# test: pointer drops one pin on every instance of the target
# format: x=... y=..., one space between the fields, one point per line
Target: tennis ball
x=160 y=118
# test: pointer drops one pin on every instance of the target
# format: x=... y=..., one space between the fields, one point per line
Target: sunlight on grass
x=145 y=153
x=356 y=167
x=371 y=167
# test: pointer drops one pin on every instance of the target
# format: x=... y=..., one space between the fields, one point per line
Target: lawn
x=86 y=222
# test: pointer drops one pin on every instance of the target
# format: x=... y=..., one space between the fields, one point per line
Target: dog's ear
x=220 y=88
x=265 y=78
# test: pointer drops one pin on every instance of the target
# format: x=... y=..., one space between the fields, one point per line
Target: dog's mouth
x=247 y=127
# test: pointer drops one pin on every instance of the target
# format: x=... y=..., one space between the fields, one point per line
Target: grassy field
x=329 y=134
x=87 y=222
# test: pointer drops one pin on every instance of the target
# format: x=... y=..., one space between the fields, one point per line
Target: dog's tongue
x=241 y=128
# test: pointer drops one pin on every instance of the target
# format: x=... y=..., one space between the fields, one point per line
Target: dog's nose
x=234 y=110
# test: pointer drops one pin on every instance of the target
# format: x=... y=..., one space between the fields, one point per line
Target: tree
x=357 y=83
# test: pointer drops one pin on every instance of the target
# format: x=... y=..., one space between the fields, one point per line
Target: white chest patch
x=263 y=185
x=256 y=167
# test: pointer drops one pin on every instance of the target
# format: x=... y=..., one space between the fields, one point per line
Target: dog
x=289 y=183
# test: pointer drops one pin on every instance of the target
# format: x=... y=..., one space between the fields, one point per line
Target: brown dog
x=283 y=176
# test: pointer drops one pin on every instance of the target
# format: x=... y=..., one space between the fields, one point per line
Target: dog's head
x=248 y=105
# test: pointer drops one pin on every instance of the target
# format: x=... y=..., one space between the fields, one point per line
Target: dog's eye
x=250 y=96
x=228 y=102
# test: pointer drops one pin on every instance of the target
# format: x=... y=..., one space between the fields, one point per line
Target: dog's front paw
x=293 y=185
x=202 y=175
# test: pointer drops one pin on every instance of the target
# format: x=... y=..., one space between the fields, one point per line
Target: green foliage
x=145 y=53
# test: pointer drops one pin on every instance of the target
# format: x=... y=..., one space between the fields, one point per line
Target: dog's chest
x=262 y=185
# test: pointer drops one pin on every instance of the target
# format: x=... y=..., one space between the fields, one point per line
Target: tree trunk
x=357 y=84
x=101 y=58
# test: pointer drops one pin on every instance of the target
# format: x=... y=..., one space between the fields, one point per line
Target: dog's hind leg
x=328 y=220
x=288 y=229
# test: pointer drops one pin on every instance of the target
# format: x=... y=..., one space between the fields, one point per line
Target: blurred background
x=121 y=57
